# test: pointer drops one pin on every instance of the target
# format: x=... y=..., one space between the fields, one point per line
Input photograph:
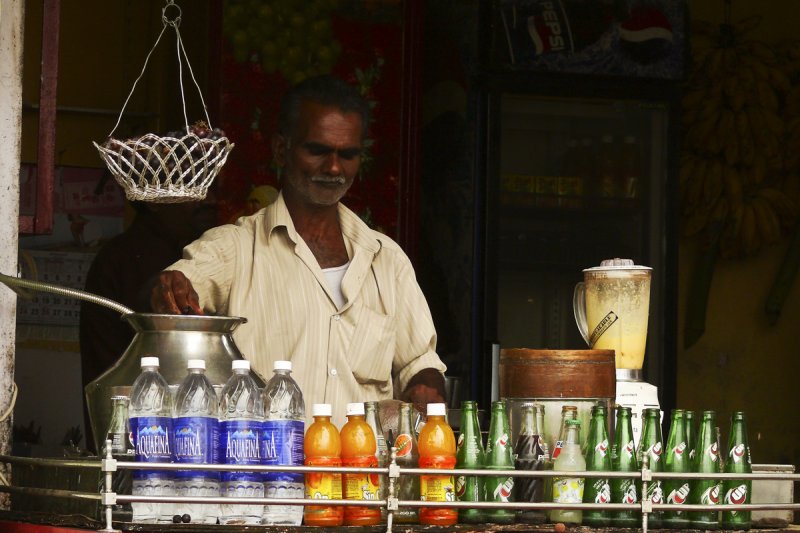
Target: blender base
x=638 y=395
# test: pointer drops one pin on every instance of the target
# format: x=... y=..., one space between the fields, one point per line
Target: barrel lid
x=617 y=264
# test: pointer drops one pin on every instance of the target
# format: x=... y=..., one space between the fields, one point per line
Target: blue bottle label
x=195 y=442
x=282 y=444
x=239 y=444
x=152 y=438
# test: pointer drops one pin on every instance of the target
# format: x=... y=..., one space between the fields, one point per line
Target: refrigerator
x=576 y=163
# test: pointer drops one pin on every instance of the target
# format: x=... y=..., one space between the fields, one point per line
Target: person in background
x=153 y=241
x=317 y=285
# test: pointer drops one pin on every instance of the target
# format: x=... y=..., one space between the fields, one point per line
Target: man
x=316 y=284
x=152 y=242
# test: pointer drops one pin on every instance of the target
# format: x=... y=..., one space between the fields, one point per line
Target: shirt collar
x=353 y=228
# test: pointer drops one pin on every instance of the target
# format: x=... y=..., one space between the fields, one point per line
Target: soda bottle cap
x=355 y=408
x=436 y=409
x=196 y=363
x=321 y=409
x=240 y=364
x=149 y=361
x=282 y=365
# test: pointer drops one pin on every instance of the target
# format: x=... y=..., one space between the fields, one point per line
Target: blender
x=611 y=307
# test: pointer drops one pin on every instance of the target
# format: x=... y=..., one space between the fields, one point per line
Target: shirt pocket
x=372 y=349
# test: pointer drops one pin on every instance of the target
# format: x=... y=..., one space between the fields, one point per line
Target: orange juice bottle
x=437 y=449
x=358 y=449
x=323 y=447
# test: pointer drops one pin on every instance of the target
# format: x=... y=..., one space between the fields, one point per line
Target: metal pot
x=174 y=339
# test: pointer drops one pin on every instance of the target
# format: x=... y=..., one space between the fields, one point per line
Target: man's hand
x=173 y=294
x=427 y=386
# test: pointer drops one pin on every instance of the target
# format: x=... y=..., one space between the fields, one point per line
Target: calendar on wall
x=67 y=269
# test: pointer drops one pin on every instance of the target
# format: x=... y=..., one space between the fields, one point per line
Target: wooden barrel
x=526 y=373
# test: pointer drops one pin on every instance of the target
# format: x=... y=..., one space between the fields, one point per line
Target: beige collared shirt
x=367 y=349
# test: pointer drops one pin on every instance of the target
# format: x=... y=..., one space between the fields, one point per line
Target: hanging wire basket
x=177 y=167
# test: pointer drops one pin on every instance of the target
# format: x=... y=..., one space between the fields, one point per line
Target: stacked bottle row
x=244 y=427
x=604 y=172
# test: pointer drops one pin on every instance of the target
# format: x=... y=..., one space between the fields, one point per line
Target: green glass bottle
x=529 y=455
x=737 y=491
x=651 y=447
x=706 y=461
x=470 y=455
x=598 y=459
x=676 y=491
x=623 y=459
x=499 y=457
x=691 y=433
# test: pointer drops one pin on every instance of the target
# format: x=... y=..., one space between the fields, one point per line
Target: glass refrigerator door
x=579 y=181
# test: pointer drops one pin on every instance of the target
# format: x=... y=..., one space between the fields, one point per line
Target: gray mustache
x=329 y=179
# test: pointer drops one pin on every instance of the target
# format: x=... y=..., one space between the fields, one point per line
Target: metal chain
x=174 y=23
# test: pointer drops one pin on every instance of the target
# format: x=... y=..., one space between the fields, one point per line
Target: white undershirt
x=335 y=276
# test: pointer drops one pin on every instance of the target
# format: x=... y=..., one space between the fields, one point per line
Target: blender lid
x=617 y=264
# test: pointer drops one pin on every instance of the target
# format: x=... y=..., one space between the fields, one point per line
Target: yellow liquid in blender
x=629 y=299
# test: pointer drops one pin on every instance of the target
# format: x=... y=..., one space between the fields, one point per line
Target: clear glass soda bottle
x=121 y=448
x=382 y=450
x=282 y=444
x=737 y=491
x=623 y=459
x=529 y=455
x=569 y=489
x=470 y=455
x=407 y=456
x=598 y=459
x=676 y=491
x=150 y=419
x=241 y=415
x=706 y=461
x=651 y=448
x=196 y=433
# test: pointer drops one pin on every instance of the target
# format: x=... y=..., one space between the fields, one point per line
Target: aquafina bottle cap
x=240 y=364
x=149 y=361
x=196 y=363
x=282 y=365
x=355 y=409
x=321 y=409
x=436 y=409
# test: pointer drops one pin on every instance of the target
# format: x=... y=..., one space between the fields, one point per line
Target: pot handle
x=579 y=310
x=13 y=282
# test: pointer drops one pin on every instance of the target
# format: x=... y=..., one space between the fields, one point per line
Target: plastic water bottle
x=196 y=431
x=282 y=444
x=241 y=415
x=150 y=418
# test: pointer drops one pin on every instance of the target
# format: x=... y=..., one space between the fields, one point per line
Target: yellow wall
x=742 y=362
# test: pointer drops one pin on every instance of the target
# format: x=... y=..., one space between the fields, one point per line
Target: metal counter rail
x=109 y=465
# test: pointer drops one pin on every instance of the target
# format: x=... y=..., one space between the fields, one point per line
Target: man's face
x=321 y=158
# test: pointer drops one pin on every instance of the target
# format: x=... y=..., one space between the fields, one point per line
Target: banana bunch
x=734 y=142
